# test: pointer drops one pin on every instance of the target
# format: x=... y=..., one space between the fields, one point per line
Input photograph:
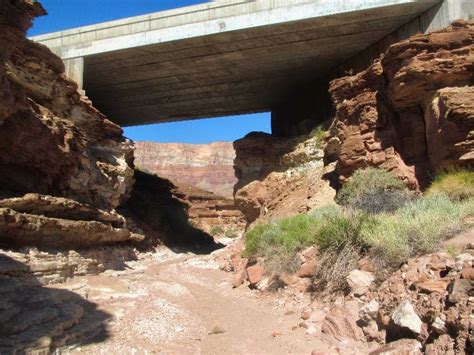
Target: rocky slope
x=206 y=166
x=412 y=111
x=280 y=177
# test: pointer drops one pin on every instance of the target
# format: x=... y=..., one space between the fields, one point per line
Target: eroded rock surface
x=64 y=167
x=412 y=111
x=279 y=177
x=207 y=210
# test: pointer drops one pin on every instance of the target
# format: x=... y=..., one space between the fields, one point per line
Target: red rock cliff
x=207 y=166
x=412 y=111
x=64 y=167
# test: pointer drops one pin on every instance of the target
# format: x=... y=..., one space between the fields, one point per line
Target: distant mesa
x=206 y=166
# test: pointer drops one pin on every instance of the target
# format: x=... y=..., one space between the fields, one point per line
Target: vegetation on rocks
x=374 y=190
x=458 y=184
x=343 y=235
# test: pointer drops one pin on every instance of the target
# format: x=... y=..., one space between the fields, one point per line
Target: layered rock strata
x=207 y=210
x=412 y=111
x=64 y=167
x=279 y=177
x=207 y=166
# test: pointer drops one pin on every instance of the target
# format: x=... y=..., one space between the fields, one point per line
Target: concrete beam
x=223 y=57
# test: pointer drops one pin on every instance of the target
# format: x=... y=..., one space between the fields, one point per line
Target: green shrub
x=230 y=233
x=344 y=235
x=458 y=184
x=282 y=237
x=374 y=190
x=417 y=228
x=216 y=230
x=319 y=133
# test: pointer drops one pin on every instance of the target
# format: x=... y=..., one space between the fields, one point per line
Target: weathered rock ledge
x=412 y=111
x=279 y=177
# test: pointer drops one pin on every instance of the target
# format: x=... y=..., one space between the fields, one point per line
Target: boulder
x=405 y=316
x=462 y=289
x=255 y=273
x=369 y=311
x=358 y=279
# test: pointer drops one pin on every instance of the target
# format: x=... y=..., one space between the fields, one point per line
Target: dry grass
x=458 y=184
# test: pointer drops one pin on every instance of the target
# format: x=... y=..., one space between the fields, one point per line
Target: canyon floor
x=169 y=302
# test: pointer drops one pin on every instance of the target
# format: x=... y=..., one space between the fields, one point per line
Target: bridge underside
x=230 y=73
x=223 y=58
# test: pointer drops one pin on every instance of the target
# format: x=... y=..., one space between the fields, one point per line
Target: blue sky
x=66 y=14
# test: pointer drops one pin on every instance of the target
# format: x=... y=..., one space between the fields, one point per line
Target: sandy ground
x=184 y=304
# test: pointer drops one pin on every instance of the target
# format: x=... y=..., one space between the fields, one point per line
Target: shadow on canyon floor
x=33 y=316
x=158 y=208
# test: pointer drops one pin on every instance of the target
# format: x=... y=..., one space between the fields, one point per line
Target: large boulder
x=412 y=111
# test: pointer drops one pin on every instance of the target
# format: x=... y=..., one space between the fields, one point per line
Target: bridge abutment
x=75 y=70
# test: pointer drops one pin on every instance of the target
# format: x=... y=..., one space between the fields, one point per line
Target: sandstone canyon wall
x=207 y=166
x=279 y=177
x=412 y=111
x=64 y=167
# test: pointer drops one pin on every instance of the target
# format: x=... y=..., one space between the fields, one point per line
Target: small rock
x=289 y=279
x=431 y=286
x=312 y=330
x=371 y=332
x=400 y=347
x=317 y=316
x=365 y=264
x=444 y=344
x=461 y=259
x=369 y=311
x=276 y=333
x=306 y=313
x=308 y=269
x=439 y=326
x=264 y=283
x=468 y=273
x=217 y=330
x=359 y=278
x=239 y=278
x=304 y=325
x=360 y=291
x=462 y=288
x=255 y=273
x=405 y=316
x=309 y=254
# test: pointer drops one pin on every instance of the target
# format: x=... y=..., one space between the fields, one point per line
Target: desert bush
x=344 y=235
x=230 y=233
x=320 y=134
x=216 y=230
x=285 y=236
x=374 y=190
x=331 y=229
x=458 y=184
x=417 y=228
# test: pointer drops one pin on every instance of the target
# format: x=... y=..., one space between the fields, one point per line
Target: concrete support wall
x=75 y=70
x=313 y=103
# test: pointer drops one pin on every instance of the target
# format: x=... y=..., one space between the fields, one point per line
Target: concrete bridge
x=235 y=56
